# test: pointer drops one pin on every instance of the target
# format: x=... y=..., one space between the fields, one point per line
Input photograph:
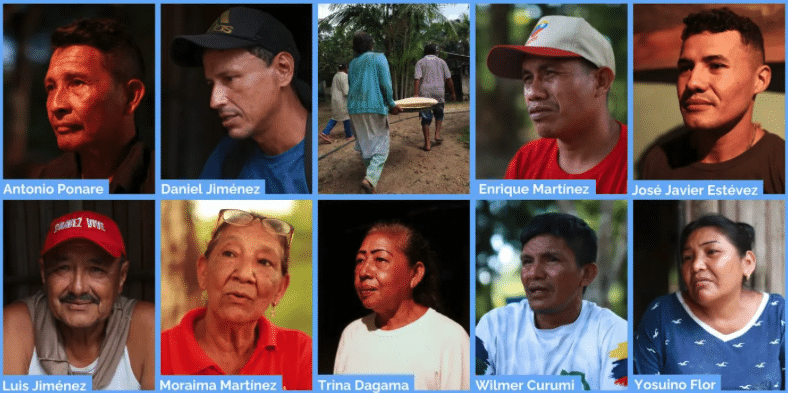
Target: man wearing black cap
x=251 y=61
x=80 y=324
x=567 y=68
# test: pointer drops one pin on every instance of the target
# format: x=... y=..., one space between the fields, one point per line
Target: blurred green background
x=498 y=248
x=502 y=123
x=186 y=228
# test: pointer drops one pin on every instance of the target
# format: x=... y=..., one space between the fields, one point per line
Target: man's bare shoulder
x=141 y=343
x=143 y=318
x=16 y=316
x=18 y=339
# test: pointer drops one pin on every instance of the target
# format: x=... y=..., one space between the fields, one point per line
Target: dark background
x=190 y=129
x=26 y=223
x=342 y=225
x=29 y=141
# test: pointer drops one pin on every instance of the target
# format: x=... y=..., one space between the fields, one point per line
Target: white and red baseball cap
x=87 y=225
x=553 y=36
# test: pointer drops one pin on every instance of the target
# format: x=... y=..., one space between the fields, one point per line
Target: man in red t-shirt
x=567 y=68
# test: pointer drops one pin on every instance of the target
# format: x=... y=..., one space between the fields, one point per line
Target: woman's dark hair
x=362 y=42
x=282 y=242
x=740 y=234
x=417 y=249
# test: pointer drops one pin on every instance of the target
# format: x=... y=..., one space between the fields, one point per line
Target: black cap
x=238 y=27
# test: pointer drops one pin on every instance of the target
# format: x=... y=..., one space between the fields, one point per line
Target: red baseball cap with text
x=91 y=226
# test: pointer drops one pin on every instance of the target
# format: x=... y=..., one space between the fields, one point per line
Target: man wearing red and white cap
x=567 y=68
x=79 y=324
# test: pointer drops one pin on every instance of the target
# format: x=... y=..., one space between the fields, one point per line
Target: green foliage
x=498 y=226
x=501 y=24
x=334 y=43
x=400 y=32
x=295 y=309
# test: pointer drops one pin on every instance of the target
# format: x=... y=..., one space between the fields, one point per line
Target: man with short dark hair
x=251 y=62
x=567 y=68
x=554 y=331
x=721 y=71
x=94 y=86
x=80 y=324
x=431 y=76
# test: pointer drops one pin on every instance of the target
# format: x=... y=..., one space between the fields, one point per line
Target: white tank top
x=123 y=379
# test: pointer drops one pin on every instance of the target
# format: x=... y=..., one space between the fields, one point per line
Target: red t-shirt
x=279 y=351
x=538 y=159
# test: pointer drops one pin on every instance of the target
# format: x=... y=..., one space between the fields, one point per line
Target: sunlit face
x=384 y=277
x=82 y=283
x=550 y=275
x=711 y=266
x=244 y=90
x=559 y=94
x=243 y=273
x=85 y=103
x=718 y=80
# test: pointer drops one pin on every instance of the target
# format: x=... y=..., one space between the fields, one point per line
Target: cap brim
x=506 y=61
x=115 y=253
x=187 y=49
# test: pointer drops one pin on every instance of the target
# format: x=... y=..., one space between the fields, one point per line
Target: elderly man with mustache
x=80 y=324
x=567 y=68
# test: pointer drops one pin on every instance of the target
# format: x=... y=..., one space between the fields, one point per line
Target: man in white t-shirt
x=554 y=331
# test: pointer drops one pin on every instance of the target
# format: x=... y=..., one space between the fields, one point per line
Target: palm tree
x=399 y=27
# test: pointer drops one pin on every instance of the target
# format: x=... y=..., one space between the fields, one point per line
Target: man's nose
x=77 y=285
x=534 y=90
x=533 y=270
x=218 y=96
x=697 y=80
x=58 y=103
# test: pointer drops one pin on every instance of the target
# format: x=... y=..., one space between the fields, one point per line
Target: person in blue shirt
x=250 y=61
x=369 y=100
x=717 y=325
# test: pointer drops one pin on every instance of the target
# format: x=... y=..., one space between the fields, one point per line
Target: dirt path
x=409 y=169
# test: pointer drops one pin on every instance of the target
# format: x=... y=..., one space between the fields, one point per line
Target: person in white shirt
x=554 y=331
x=395 y=278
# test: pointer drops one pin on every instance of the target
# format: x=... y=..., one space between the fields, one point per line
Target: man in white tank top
x=79 y=324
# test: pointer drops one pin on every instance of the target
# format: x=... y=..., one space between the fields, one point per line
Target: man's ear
x=604 y=80
x=763 y=76
x=135 y=90
x=284 y=64
x=124 y=271
x=590 y=270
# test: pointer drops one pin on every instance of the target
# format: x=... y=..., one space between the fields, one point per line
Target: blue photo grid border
x=473 y=196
